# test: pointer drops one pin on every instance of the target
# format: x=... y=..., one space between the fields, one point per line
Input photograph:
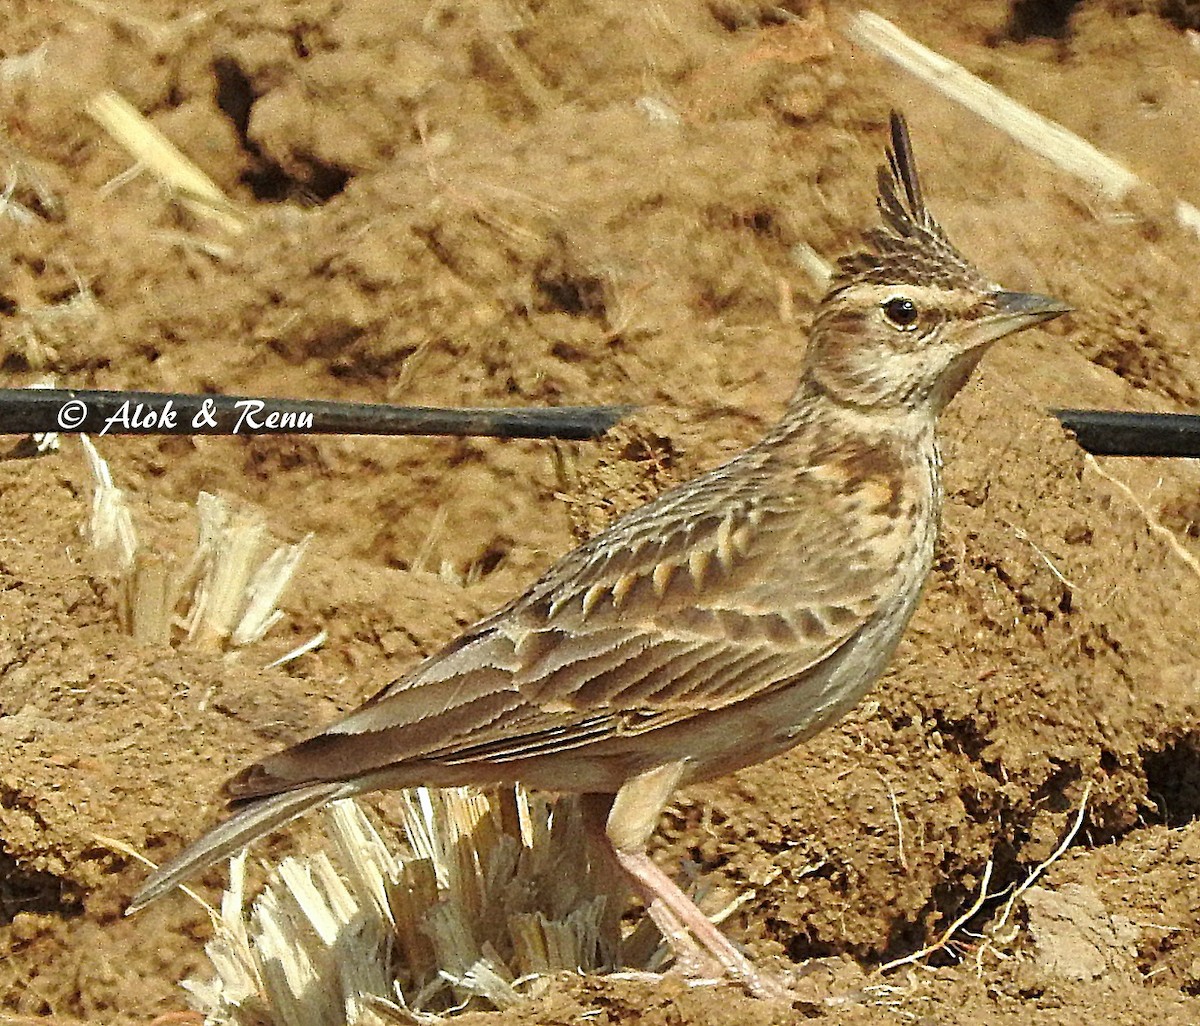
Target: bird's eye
x=901 y=312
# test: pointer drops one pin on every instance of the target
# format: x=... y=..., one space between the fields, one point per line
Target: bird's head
x=908 y=317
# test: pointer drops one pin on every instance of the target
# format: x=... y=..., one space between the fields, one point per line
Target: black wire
x=99 y=412
x=26 y=411
x=1124 y=433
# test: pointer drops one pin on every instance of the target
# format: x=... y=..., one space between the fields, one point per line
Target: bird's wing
x=713 y=594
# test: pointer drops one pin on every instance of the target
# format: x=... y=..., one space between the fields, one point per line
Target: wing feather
x=699 y=600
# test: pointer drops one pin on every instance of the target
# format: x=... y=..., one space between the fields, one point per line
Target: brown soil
x=505 y=203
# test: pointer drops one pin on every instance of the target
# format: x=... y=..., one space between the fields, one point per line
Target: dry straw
x=1052 y=141
x=222 y=596
x=468 y=914
x=190 y=186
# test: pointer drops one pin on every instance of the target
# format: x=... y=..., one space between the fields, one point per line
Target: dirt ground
x=526 y=202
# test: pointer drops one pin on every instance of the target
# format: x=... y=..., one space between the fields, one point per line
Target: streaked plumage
x=717 y=626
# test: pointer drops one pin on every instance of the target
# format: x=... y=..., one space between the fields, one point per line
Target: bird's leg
x=616 y=882
x=690 y=933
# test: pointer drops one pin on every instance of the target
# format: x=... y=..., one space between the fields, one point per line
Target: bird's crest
x=911 y=246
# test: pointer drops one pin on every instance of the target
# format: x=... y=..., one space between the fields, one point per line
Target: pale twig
x=1041 y=867
x=1051 y=140
x=944 y=941
x=1062 y=579
x=899 y=822
x=121 y=179
x=263 y=591
x=315 y=642
x=1063 y=148
x=128 y=850
x=812 y=263
x=191 y=186
x=497 y=31
x=745 y=898
x=111 y=525
x=1152 y=522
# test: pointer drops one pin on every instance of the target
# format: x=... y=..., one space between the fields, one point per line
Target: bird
x=721 y=624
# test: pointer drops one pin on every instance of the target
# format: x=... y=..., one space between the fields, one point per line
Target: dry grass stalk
x=150 y=593
x=812 y=263
x=947 y=937
x=111 y=525
x=223 y=596
x=1153 y=524
x=151 y=149
x=497 y=23
x=996 y=932
x=313 y=643
x=1051 y=140
x=235 y=587
x=468 y=915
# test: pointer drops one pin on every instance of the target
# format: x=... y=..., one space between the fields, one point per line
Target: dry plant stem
x=1152 y=522
x=121 y=848
x=1061 y=147
x=746 y=897
x=264 y=590
x=111 y=525
x=1043 y=866
x=150 y=147
x=1058 y=574
x=813 y=264
x=230 y=591
x=313 y=643
x=235 y=541
x=944 y=941
x=151 y=593
x=310 y=951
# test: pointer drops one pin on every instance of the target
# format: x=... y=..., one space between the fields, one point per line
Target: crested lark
x=728 y=620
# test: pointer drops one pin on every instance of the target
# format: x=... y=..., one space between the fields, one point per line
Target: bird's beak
x=1029 y=306
x=1022 y=309
x=1015 y=311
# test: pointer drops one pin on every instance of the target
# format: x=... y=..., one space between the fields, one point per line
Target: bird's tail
x=258 y=817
